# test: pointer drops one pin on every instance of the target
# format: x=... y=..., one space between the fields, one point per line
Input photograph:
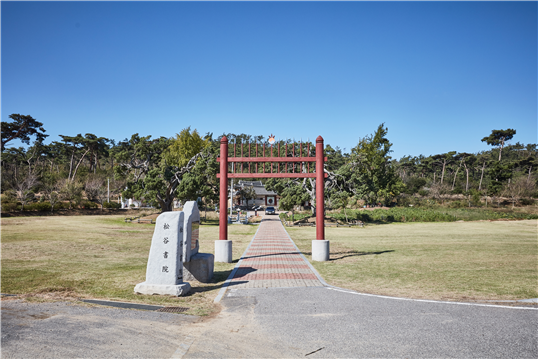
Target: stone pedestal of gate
x=164 y=273
x=196 y=266
x=320 y=250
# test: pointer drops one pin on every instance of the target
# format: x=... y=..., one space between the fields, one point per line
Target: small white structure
x=130 y=203
x=164 y=273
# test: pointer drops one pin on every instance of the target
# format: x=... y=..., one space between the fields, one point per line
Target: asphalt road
x=308 y=322
x=327 y=323
x=68 y=330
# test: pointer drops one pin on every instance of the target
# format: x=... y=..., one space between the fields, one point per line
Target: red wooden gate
x=238 y=172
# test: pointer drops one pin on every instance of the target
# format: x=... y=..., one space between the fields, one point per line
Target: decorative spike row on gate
x=286 y=166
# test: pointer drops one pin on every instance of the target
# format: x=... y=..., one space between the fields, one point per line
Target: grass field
x=98 y=257
x=102 y=257
x=452 y=261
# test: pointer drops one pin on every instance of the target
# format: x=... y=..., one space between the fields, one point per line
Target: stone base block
x=177 y=290
x=223 y=251
x=199 y=268
x=320 y=250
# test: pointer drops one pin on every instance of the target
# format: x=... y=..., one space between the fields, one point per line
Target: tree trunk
x=71 y=164
x=456 y=175
x=467 y=178
x=78 y=164
x=481 y=177
x=443 y=172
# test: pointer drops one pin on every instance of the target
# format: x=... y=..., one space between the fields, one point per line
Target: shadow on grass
x=334 y=256
x=355 y=254
x=209 y=222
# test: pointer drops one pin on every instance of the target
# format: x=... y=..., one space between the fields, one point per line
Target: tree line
x=87 y=170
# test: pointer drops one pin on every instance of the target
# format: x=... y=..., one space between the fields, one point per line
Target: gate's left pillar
x=223 y=247
x=320 y=246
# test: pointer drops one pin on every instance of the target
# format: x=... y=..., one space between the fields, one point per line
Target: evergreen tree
x=369 y=172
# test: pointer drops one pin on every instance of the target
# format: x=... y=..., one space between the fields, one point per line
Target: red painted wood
x=271 y=159
x=271 y=175
x=223 y=216
x=320 y=187
x=278 y=165
x=286 y=170
x=319 y=176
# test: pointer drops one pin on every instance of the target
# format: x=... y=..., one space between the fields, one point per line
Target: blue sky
x=440 y=75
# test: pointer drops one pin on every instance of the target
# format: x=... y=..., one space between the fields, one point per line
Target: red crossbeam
x=271 y=175
x=271 y=159
x=319 y=175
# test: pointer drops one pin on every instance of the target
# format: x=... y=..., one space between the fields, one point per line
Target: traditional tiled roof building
x=263 y=196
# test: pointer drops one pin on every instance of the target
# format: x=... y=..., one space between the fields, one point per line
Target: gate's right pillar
x=223 y=247
x=320 y=246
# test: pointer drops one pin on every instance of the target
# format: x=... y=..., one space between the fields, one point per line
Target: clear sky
x=440 y=75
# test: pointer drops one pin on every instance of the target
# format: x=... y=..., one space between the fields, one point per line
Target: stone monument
x=196 y=266
x=164 y=273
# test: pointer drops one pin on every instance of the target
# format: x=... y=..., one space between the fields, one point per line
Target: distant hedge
x=427 y=215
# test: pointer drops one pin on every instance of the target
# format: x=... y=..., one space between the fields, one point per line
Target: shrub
x=526 y=201
x=414 y=184
x=112 y=205
x=456 y=204
x=61 y=205
x=39 y=206
x=10 y=206
x=89 y=205
x=423 y=192
x=403 y=200
x=475 y=198
x=429 y=215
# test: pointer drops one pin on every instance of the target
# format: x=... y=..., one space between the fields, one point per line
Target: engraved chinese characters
x=164 y=274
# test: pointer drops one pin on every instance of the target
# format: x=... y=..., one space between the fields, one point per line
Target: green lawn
x=98 y=257
x=103 y=257
x=451 y=261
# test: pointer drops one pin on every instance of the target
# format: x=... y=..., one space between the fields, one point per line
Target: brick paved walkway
x=273 y=260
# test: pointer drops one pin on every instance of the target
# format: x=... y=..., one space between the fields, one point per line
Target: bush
x=403 y=200
x=39 y=206
x=475 y=198
x=112 y=205
x=526 y=201
x=429 y=215
x=456 y=204
x=89 y=205
x=10 y=206
x=423 y=192
x=61 y=205
x=296 y=216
